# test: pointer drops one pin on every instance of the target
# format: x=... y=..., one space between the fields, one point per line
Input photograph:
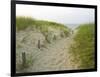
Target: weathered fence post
x=54 y=37
x=39 y=44
x=23 y=59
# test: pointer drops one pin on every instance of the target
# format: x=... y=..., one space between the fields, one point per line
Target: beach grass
x=83 y=48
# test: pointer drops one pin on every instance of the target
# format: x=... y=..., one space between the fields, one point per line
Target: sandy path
x=54 y=57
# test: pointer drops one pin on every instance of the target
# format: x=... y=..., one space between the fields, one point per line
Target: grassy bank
x=83 y=48
x=24 y=22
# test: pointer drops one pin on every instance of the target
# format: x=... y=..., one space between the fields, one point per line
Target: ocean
x=72 y=26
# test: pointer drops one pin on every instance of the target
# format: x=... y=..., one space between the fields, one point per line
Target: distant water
x=72 y=26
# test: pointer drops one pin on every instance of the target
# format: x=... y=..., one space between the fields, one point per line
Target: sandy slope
x=54 y=56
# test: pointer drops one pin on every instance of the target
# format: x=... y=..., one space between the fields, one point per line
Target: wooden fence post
x=23 y=59
x=39 y=44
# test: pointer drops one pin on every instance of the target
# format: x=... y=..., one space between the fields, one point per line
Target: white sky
x=64 y=15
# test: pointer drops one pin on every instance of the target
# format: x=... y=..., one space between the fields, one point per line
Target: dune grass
x=24 y=22
x=83 y=49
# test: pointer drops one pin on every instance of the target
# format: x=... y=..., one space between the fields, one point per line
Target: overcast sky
x=64 y=15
